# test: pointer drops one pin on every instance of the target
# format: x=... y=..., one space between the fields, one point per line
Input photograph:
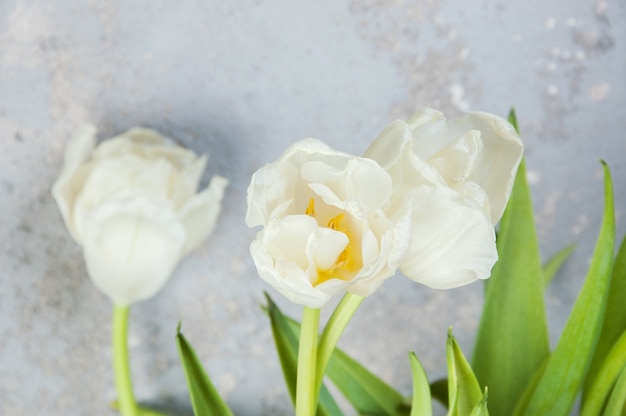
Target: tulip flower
x=454 y=178
x=324 y=230
x=131 y=203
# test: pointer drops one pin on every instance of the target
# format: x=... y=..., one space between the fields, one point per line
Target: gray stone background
x=242 y=80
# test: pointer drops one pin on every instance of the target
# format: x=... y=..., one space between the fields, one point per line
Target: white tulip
x=453 y=178
x=324 y=230
x=131 y=203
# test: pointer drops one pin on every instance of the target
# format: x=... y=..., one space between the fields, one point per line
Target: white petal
x=453 y=241
x=111 y=176
x=458 y=160
x=394 y=243
x=287 y=278
x=287 y=240
x=327 y=246
x=430 y=132
x=368 y=184
x=132 y=245
x=68 y=185
x=271 y=187
x=185 y=183
x=200 y=213
x=502 y=151
x=388 y=147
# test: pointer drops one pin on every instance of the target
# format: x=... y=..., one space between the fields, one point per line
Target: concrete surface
x=242 y=80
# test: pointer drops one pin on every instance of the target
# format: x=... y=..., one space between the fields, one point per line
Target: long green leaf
x=617 y=402
x=422 y=403
x=614 y=317
x=553 y=265
x=205 y=399
x=523 y=401
x=367 y=393
x=481 y=407
x=286 y=341
x=512 y=336
x=570 y=361
x=601 y=386
x=461 y=379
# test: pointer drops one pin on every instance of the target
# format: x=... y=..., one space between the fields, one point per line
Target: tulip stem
x=333 y=330
x=121 y=367
x=306 y=392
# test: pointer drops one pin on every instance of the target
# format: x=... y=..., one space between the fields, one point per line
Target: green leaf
x=512 y=337
x=462 y=383
x=204 y=397
x=286 y=341
x=364 y=390
x=570 y=361
x=617 y=401
x=367 y=393
x=422 y=403
x=481 y=407
x=553 y=265
x=614 y=317
x=601 y=386
x=523 y=401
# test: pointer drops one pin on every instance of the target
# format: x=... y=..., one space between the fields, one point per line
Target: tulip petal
x=112 y=176
x=367 y=183
x=287 y=278
x=288 y=239
x=70 y=182
x=132 y=245
x=186 y=182
x=458 y=160
x=271 y=187
x=147 y=144
x=200 y=213
x=453 y=241
x=495 y=167
x=328 y=245
x=387 y=149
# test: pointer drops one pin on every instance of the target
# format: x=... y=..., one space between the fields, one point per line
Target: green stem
x=333 y=330
x=306 y=392
x=123 y=383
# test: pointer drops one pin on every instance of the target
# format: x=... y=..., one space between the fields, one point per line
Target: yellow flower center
x=346 y=264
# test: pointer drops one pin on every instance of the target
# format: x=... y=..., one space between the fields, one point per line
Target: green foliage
x=464 y=392
x=614 y=323
x=205 y=399
x=512 y=336
x=566 y=370
x=422 y=403
x=616 y=404
x=604 y=380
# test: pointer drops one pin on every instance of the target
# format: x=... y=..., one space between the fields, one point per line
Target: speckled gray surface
x=241 y=81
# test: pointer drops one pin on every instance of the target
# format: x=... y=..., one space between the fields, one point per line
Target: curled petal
x=271 y=187
x=290 y=280
x=200 y=213
x=497 y=163
x=69 y=184
x=453 y=241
